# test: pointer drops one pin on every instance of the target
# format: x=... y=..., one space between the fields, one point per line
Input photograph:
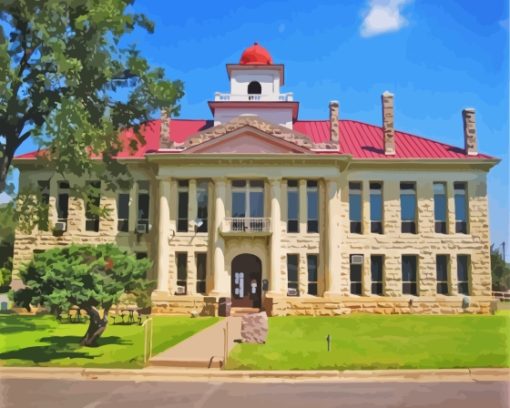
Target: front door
x=246 y=281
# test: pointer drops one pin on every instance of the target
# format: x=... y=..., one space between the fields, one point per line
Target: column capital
x=217 y=180
x=161 y=178
x=274 y=180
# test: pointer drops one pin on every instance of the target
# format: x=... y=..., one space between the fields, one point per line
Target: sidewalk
x=205 y=349
x=216 y=375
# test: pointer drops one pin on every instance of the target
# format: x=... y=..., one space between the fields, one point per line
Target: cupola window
x=254 y=88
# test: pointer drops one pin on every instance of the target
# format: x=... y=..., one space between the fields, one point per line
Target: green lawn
x=42 y=341
x=379 y=342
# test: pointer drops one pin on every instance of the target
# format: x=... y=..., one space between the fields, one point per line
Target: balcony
x=226 y=97
x=254 y=226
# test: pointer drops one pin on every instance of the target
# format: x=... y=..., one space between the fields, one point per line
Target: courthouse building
x=319 y=217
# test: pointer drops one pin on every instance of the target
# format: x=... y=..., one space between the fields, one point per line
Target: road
x=26 y=393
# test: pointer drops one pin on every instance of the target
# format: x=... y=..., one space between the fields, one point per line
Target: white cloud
x=383 y=16
x=5 y=198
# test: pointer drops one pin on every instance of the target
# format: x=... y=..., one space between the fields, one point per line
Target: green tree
x=67 y=81
x=500 y=271
x=90 y=277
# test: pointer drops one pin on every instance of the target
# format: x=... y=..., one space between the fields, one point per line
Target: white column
x=333 y=233
x=221 y=283
x=163 y=235
x=276 y=229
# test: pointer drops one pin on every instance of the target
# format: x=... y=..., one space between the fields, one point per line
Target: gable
x=247 y=140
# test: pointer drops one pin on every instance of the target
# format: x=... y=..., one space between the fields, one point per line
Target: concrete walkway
x=206 y=349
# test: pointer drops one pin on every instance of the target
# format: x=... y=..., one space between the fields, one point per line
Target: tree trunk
x=97 y=326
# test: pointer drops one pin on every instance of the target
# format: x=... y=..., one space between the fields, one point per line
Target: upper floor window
x=292 y=206
x=254 y=87
x=312 y=261
x=292 y=275
x=463 y=265
x=355 y=207
x=461 y=210
x=202 y=205
x=182 y=210
x=63 y=202
x=123 y=212
x=92 y=206
x=408 y=207
x=376 y=208
x=247 y=198
x=440 y=208
x=143 y=204
x=409 y=273
x=442 y=274
x=312 y=193
x=44 y=189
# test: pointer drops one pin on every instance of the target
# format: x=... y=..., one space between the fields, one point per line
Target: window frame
x=123 y=223
x=179 y=279
x=376 y=226
x=143 y=191
x=201 y=284
x=44 y=190
x=463 y=286
x=442 y=286
x=203 y=186
x=313 y=288
x=183 y=213
x=292 y=223
x=63 y=194
x=411 y=284
x=377 y=284
x=409 y=226
x=293 y=284
x=356 y=226
x=440 y=226
x=461 y=226
x=355 y=286
x=312 y=224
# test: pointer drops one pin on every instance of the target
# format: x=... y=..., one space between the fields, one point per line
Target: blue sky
x=436 y=56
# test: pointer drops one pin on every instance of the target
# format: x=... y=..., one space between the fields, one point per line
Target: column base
x=331 y=294
x=158 y=295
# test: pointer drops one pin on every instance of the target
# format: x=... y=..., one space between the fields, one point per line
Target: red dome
x=256 y=55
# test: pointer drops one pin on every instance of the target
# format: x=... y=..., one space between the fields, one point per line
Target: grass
x=379 y=342
x=42 y=341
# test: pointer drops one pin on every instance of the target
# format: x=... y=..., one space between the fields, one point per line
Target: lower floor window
x=182 y=272
x=442 y=274
x=355 y=274
x=463 y=274
x=292 y=275
x=376 y=270
x=201 y=272
x=409 y=272
x=312 y=261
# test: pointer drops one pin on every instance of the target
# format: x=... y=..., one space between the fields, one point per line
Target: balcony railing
x=248 y=224
x=284 y=97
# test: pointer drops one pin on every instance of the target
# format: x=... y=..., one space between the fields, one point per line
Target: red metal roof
x=361 y=140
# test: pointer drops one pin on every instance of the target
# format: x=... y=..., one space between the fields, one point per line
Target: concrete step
x=241 y=311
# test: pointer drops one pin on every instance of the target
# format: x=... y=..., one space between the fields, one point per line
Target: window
x=201 y=261
x=182 y=272
x=356 y=272
x=92 y=206
x=440 y=208
x=376 y=208
x=312 y=193
x=202 y=204
x=44 y=189
x=292 y=206
x=376 y=272
x=442 y=274
x=182 y=211
x=143 y=204
x=292 y=275
x=123 y=212
x=409 y=265
x=355 y=207
x=254 y=87
x=463 y=264
x=141 y=255
x=408 y=207
x=247 y=202
x=63 y=202
x=460 y=207
x=312 y=261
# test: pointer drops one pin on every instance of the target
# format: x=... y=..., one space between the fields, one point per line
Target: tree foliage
x=67 y=81
x=87 y=276
x=500 y=271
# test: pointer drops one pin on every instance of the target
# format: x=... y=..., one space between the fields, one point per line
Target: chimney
x=388 y=123
x=333 y=122
x=470 y=140
x=164 y=135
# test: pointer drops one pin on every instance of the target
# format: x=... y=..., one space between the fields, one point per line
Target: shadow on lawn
x=13 y=324
x=59 y=347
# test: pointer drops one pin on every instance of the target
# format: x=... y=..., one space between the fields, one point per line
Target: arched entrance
x=246 y=281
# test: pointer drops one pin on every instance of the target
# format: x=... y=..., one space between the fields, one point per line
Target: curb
x=193 y=375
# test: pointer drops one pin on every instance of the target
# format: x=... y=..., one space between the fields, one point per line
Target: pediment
x=247 y=140
x=248 y=134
